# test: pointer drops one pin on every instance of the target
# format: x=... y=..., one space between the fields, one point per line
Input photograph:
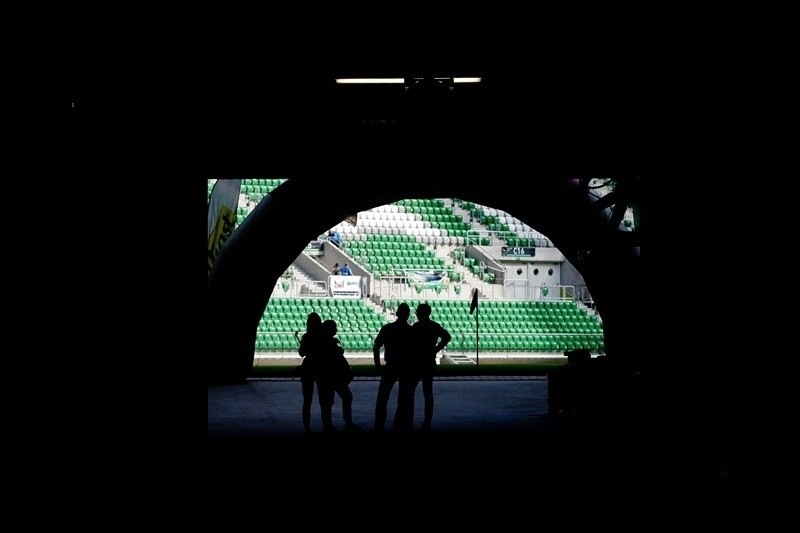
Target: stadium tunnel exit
x=579 y=223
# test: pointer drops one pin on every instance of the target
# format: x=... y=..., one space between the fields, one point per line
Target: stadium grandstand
x=532 y=301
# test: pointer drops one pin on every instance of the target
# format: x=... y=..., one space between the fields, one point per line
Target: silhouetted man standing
x=394 y=338
x=428 y=339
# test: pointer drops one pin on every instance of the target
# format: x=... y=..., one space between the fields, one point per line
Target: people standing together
x=409 y=357
x=325 y=365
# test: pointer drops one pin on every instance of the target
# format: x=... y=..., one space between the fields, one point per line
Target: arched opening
x=272 y=236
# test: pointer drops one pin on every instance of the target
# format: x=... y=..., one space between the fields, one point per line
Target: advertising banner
x=344 y=286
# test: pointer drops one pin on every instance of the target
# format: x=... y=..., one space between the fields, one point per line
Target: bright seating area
x=399 y=244
x=512 y=230
x=516 y=326
x=357 y=323
x=393 y=254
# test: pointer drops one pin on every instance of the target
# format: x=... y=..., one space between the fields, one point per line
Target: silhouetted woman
x=333 y=376
x=309 y=346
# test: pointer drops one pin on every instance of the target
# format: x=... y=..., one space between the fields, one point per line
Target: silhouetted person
x=394 y=338
x=335 y=269
x=333 y=376
x=309 y=346
x=428 y=338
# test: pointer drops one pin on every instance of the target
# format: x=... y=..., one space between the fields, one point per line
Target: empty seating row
x=512 y=229
x=510 y=326
x=526 y=343
x=357 y=323
x=268 y=182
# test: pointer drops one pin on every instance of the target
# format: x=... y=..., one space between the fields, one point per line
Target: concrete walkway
x=494 y=454
x=270 y=408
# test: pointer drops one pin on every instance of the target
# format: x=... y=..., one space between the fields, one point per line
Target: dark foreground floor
x=494 y=455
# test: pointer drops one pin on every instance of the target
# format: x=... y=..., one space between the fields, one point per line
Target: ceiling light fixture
x=397 y=80
x=369 y=80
